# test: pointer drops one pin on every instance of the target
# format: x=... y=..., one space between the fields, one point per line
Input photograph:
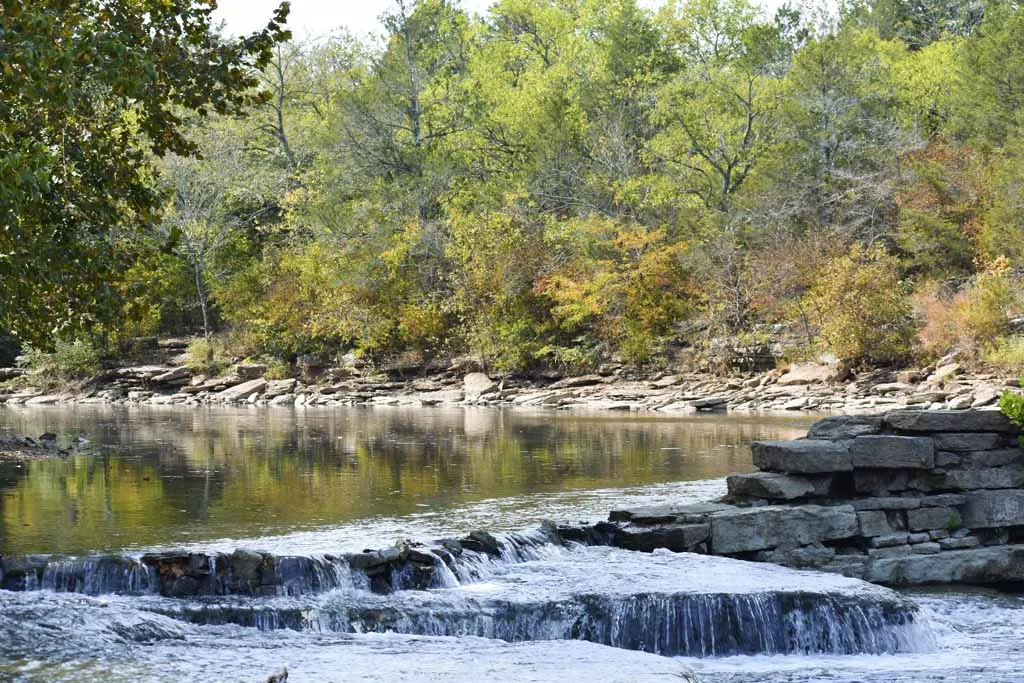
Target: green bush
x=864 y=314
x=203 y=356
x=1007 y=353
x=1012 y=405
x=69 y=360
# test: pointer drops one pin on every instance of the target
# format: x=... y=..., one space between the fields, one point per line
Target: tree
x=837 y=166
x=920 y=23
x=90 y=92
x=717 y=114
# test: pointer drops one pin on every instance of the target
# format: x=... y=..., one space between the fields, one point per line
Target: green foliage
x=69 y=360
x=862 y=307
x=89 y=92
x=553 y=183
x=1012 y=406
x=986 y=307
x=1007 y=353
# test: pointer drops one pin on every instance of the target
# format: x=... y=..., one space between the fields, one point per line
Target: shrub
x=69 y=360
x=984 y=309
x=278 y=369
x=1012 y=405
x=204 y=355
x=862 y=308
x=938 y=330
x=1007 y=353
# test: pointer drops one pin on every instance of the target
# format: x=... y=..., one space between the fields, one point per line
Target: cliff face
x=909 y=497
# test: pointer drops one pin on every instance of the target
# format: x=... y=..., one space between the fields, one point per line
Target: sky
x=314 y=18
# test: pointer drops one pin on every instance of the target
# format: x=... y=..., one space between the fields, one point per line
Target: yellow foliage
x=863 y=312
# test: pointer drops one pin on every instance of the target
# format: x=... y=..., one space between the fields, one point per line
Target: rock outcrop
x=906 y=498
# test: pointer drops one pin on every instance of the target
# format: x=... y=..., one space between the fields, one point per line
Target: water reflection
x=169 y=475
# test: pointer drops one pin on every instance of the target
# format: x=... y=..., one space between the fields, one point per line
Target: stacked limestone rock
x=910 y=497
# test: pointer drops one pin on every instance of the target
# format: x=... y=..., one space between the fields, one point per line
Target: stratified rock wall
x=909 y=497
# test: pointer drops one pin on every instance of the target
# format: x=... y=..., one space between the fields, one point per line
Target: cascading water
x=524 y=587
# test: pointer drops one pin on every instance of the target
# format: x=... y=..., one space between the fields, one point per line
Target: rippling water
x=305 y=483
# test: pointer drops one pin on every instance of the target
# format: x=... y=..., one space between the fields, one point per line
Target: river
x=313 y=483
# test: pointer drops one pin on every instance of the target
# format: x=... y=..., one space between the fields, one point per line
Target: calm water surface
x=168 y=476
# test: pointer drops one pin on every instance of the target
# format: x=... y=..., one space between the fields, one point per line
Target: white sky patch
x=317 y=18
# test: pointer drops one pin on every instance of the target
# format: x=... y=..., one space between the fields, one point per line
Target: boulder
x=988 y=509
x=242 y=391
x=950 y=421
x=895 y=539
x=980 y=566
x=984 y=397
x=807 y=373
x=762 y=528
x=433 y=398
x=774 y=486
x=845 y=427
x=959 y=543
x=807 y=456
x=475 y=384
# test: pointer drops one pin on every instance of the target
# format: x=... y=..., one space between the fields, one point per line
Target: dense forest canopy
x=555 y=183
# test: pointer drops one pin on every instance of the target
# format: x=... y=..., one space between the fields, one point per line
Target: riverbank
x=799 y=387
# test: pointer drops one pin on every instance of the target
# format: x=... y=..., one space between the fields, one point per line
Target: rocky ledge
x=905 y=498
x=809 y=387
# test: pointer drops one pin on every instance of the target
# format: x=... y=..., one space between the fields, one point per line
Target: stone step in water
x=183 y=574
x=666 y=603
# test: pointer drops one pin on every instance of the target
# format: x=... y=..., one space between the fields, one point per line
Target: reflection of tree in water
x=210 y=473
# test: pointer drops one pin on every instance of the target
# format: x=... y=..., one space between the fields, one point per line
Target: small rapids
x=665 y=603
x=514 y=587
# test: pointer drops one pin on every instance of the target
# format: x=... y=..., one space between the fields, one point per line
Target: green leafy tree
x=90 y=91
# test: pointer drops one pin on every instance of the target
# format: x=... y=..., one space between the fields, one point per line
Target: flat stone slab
x=950 y=421
x=989 y=509
x=805 y=456
x=845 y=427
x=696 y=512
x=775 y=486
x=762 y=528
x=985 y=478
x=893 y=452
x=925 y=519
x=874 y=523
x=243 y=391
x=886 y=503
x=991 y=565
x=679 y=538
x=973 y=441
